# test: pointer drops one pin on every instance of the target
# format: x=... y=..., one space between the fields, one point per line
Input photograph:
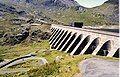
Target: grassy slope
x=67 y=67
x=5 y=24
x=88 y=17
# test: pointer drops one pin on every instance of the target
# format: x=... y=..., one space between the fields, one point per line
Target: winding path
x=23 y=59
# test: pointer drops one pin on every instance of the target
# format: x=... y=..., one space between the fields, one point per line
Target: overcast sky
x=91 y=3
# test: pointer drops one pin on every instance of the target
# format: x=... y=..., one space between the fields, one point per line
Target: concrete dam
x=78 y=41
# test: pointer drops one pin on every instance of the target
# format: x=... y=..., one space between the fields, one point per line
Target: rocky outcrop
x=22 y=36
x=26 y=35
x=10 y=39
x=38 y=35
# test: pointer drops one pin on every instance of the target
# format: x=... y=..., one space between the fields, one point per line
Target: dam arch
x=63 y=42
x=52 y=29
x=82 y=45
x=58 y=37
x=54 y=33
x=117 y=54
x=55 y=36
x=61 y=39
x=69 y=41
x=104 y=50
x=75 y=43
x=92 y=46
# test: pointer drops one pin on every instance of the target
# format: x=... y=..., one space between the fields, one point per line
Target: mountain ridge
x=108 y=12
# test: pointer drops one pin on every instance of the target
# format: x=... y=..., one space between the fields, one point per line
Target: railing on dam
x=78 y=41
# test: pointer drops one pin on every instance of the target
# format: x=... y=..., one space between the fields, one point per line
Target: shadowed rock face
x=113 y=1
x=23 y=36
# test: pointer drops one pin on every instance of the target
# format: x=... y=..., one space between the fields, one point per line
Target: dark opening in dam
x=92 y=46
x=117 y=53
x=83 y=44
x=75 y=43
x=69 y=42
x=55 y=36
x=61 y=39
x=105 y=49
x=58 y=38
x=68 y=36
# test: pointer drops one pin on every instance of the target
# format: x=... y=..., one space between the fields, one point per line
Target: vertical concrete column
x=67 y=41
x=55 y=36
x=98 y=47
x=71 y=43
x=111 y=53
x=114 y=48
x=74 y=50
x=51 y=27
x=62 y=40
x=52 y=30
x=58 y=38
x=88 y=44
x=117 y=53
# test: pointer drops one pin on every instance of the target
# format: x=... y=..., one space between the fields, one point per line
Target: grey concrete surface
x=96 y=67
